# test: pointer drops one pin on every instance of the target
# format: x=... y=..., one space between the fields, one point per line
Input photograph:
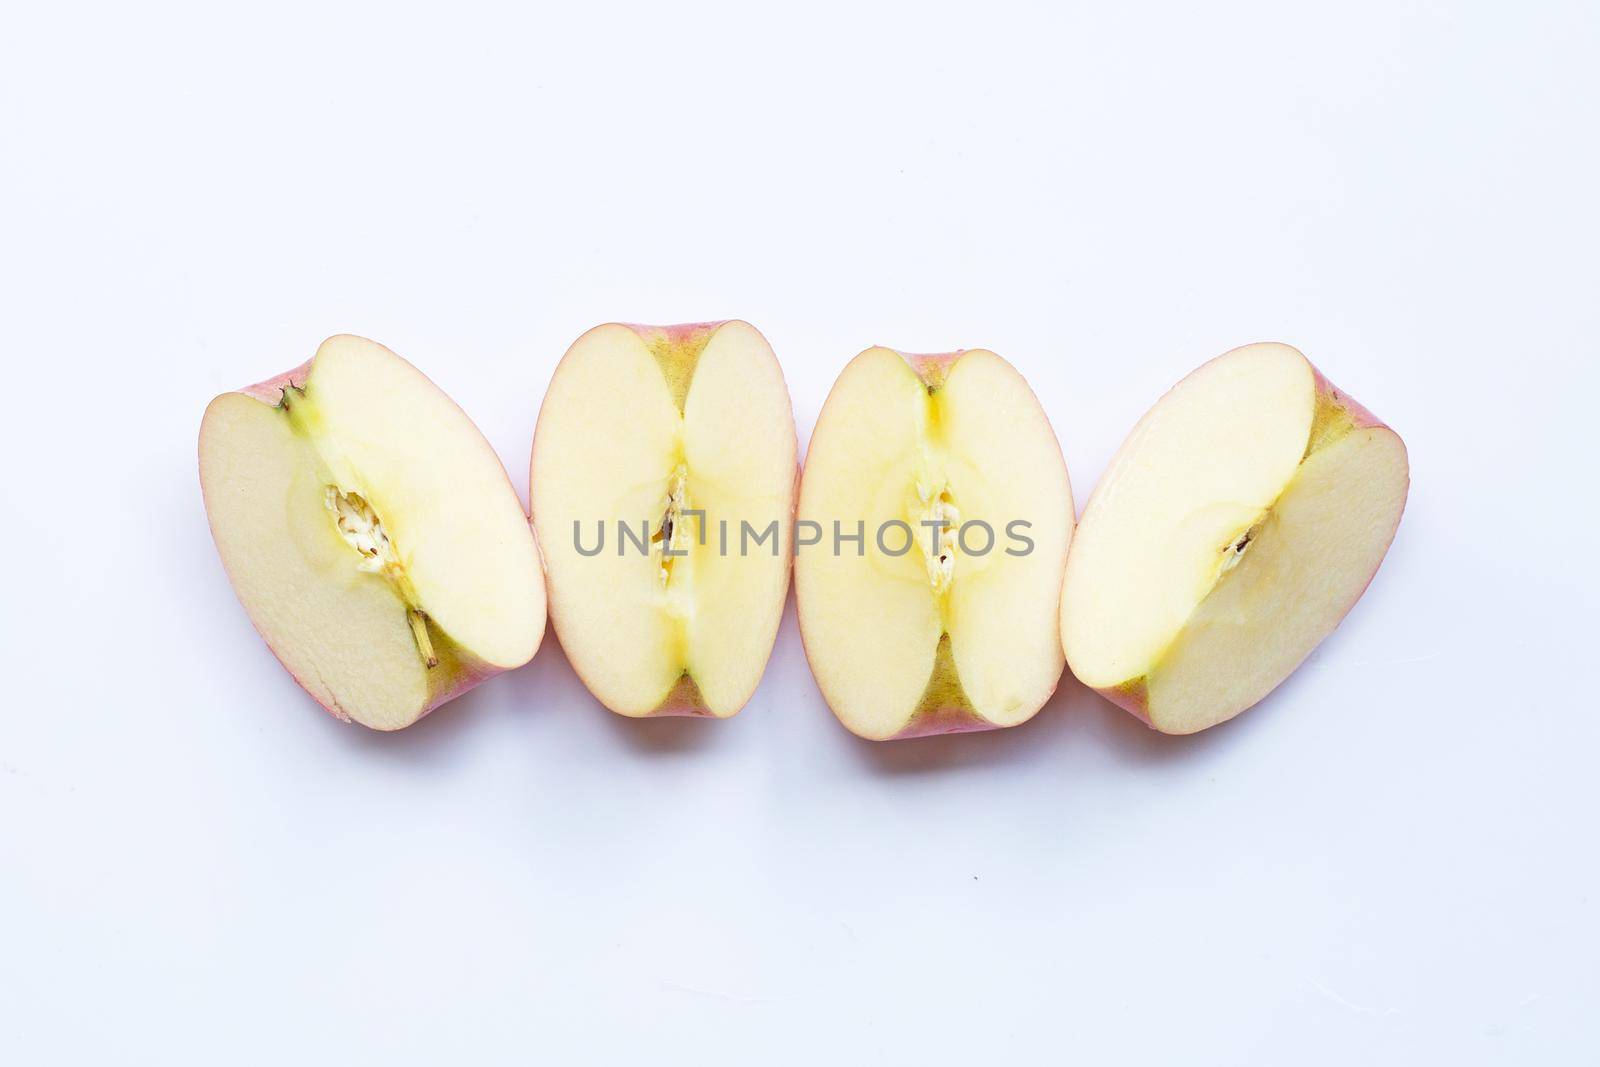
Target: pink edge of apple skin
x=1135 y=703
x=1362 y=418
x=472 y=671
x=682 y=333
x=945 y=719
x=679 y=709
x=956 y=719
x=1133 y=698
x=931 y=367
x=271 y=390
x=679 y=333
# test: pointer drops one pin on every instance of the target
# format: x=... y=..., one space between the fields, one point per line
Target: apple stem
x=419 y=630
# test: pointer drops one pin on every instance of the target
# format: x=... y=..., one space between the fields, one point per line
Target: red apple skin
x=462 y=670
x=948 y=716
x=271 y=391
x=1133 y=697
x=683 y=701
x=944 y=719
x=686 y=336
x=932 y=367
x=1360 y=417
x=675 y=347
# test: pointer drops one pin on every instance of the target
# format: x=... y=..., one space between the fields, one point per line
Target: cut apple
x=1242 y=518
x=371 y=534
x=934 y=519
x=662 y=482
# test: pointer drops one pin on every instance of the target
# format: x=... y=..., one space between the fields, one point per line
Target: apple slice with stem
x=1240 y=521
x=371 y=534
x=934 y=519
x=662 y=482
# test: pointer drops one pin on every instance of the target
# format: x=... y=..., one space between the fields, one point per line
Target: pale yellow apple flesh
x=685 y=436
x=925 y=641
x=1239 y=523
x=371 y=534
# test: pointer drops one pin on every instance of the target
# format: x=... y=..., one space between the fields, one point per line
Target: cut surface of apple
x=1238 y=524
x=371 y=534
x=662 y=482
x=942 y=617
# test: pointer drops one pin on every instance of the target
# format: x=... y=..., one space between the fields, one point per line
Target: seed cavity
x=673 y=533
x=938 y=525
x=363 y=531
x=1234 y=551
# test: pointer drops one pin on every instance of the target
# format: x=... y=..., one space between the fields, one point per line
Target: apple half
x=662 y=482
x=371 y=534
x=934 y=519
x=1240 y=521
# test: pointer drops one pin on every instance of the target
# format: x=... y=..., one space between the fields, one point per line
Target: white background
x=1391 y=860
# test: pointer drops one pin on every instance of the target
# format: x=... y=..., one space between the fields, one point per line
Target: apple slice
x=371 y=534
x=1241 y=519
x=942 y=616
x=662 y=481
